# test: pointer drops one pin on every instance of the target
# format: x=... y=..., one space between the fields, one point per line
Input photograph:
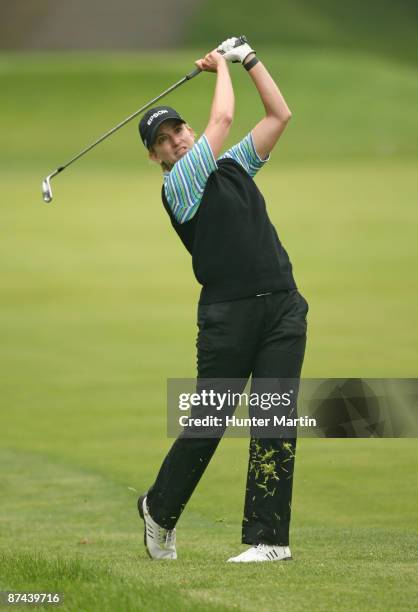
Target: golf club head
x=47 y=190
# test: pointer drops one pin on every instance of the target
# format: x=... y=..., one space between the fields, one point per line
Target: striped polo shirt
x=185 y=183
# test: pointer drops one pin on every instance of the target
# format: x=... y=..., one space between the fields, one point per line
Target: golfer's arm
x=222 y=110
x=267 y=132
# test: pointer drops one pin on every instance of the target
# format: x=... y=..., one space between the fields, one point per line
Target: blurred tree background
x=377 y=26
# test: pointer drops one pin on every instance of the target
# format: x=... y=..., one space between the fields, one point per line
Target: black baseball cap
x=152 y=120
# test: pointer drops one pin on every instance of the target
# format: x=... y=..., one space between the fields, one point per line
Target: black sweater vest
x=235 y=249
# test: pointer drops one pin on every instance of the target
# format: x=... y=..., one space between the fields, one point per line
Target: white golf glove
x=235 y=49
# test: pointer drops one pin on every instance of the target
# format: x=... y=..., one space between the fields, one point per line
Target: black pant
x=264 y=336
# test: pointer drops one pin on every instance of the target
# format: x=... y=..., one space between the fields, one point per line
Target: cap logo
x=155 y=115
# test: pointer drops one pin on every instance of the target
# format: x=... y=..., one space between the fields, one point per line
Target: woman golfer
x=251 y=318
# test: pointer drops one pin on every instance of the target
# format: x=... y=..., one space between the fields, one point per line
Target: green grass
x=344 y=106
x=98 y=309
x=75 y=531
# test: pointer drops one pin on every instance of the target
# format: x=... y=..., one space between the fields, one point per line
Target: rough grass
x=76 y=532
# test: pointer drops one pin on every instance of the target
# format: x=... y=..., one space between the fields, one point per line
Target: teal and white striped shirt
x=185 y=183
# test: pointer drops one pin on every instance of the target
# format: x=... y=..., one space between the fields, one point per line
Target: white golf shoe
x=263 y=552
x=159 y=542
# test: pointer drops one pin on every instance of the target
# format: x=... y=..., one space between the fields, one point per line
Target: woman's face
x=173 y=141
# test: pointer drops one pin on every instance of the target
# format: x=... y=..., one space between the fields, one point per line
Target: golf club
x=46 y=183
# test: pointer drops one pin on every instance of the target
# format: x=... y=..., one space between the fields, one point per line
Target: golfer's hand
x=234 y=53
x=211 y=61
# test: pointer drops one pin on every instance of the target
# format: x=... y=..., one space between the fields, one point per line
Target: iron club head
x=46 y=183
x=46 y=189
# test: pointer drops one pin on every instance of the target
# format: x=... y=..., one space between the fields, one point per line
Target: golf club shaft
x=188 y=76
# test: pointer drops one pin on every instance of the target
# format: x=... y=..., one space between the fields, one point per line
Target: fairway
x=98 y=308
